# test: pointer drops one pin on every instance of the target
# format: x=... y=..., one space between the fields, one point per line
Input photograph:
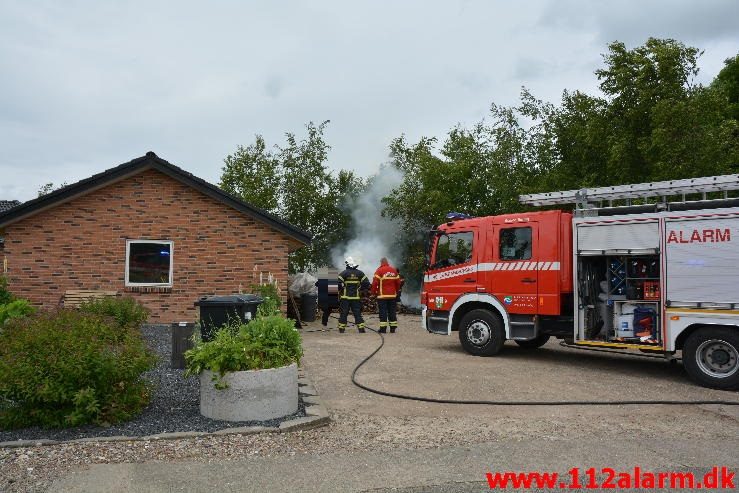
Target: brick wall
x=81 y=244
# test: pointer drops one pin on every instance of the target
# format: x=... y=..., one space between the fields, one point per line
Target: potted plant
x=248 y=371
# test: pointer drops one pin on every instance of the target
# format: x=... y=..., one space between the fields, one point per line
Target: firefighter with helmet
x=351 y=282
x=386 y=285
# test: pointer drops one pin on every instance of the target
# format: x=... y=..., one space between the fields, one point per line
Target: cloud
x=89 y=85
x=633 y=21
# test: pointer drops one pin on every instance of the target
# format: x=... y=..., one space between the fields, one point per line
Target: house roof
x=134 y=167
x=8 y=204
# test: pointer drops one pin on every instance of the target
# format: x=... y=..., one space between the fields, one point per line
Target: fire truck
x=660 y=276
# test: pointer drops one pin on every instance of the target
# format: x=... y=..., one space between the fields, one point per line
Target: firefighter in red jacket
x=386 y=286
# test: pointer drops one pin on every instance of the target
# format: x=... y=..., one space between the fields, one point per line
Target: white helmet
x=351 y=263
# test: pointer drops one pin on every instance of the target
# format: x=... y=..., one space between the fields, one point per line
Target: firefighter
x=386 y=285
x=351 y=282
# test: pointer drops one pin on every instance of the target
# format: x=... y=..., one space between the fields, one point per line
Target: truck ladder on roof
x=591 y=198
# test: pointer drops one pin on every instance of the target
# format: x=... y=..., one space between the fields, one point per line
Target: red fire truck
x=660 y=277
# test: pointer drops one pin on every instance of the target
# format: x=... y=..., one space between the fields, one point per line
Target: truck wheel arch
x=683 y=336
x=473 y=301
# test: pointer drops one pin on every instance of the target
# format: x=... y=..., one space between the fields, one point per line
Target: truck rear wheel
x=481 y=333
x=534 y=343
x=711 y=357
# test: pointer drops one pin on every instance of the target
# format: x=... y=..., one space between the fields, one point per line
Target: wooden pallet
x=73 y=298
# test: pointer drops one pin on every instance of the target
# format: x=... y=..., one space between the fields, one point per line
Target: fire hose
x=520 y=403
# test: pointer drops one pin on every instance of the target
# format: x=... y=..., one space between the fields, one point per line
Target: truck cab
x=500 y=277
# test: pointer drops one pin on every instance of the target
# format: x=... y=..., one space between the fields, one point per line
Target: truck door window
x=515 y=244
x=453 y=249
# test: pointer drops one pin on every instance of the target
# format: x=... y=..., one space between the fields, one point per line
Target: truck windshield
x=453 y=249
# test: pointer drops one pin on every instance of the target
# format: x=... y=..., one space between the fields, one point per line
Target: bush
x=15 y=309
x=271 y=300
x=266 y=342
x=5 y=295
x=70 y=368
x=126 y=311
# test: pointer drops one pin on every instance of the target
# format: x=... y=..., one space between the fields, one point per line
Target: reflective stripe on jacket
x=387 y=282
x=351 y=281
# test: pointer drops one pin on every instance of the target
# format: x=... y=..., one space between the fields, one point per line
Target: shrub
x=5 y=295
x=15 y=309
x=126 y=311
x=69 y=368
x=271 y=300
x=266 y=342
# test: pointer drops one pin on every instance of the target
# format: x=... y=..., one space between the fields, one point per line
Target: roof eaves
x=150 y=160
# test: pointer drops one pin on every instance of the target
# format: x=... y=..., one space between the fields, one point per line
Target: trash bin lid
x=229 y=300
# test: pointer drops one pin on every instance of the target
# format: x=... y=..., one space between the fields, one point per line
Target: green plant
x=5 y=295
x=126 y=311
x=15 y=309
x=266 y=342
x=69 y=368
x=271 y=300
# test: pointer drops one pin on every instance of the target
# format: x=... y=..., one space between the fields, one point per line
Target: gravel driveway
x=174 y=407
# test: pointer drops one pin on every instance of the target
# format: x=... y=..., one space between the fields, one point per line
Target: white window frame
x=171 y=263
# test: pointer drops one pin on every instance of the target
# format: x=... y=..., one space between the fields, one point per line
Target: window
x=148 y=263
x=453 y=249
x=515 y=244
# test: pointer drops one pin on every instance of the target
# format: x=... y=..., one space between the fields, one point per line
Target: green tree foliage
x=727 y=81
x=294 y=182
x=253 y=173
x=49 y=187
x=478 y=171
x=661 y=124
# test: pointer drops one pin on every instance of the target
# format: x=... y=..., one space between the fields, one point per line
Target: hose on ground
x=524 y=403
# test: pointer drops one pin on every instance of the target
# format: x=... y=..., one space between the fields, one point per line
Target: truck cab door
x=516 y=268
x=453 y=272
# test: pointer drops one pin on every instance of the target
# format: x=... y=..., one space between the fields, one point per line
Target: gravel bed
x=174 y=407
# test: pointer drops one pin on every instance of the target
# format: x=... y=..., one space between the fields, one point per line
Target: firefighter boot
x=383 y=328
x=342 y=328
x=360 y=328
x=393 y=327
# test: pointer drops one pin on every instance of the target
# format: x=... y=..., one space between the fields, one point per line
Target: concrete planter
x=251 y=395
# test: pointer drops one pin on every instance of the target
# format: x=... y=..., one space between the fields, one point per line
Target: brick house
x=147 y=229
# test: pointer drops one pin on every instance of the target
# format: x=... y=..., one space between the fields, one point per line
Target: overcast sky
x=85 y=86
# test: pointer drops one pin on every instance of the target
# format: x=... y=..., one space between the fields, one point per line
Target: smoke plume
x=374 y=236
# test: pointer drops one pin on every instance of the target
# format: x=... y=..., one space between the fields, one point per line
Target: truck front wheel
x=711 y=357
x=481 y=333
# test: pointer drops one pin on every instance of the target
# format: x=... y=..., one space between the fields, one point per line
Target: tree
x=636 y=84
x=727 y=81
x=306 y=202
x=253 y=174
x=651 y=122
x=49 y=187
x=294 y=182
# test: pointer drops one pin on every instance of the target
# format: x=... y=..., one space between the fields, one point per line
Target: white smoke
x=374 y=236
